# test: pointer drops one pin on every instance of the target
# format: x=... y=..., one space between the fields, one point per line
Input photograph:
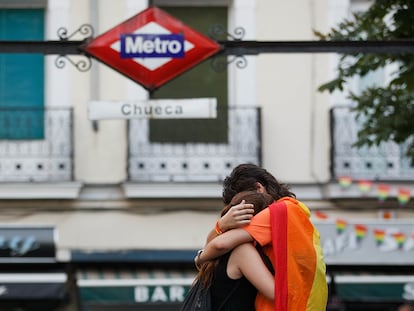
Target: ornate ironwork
x=384 y=162
x=48 y=157
x=82 y=65
x=86 y=30
x=85 y=63
x=203 y=162
x=220 y=63
x=218 y=31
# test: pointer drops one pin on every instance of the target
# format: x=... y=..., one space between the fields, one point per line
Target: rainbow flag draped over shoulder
x=300 y=279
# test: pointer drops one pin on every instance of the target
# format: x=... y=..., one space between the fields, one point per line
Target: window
x=200 y=81
x=21 y=76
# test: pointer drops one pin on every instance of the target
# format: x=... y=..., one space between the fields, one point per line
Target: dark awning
x=32 y=286
x=134 y=286
x=367 y=288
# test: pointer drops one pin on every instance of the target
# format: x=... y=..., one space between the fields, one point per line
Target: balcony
x=383 y=162
x=36 y=145
x=194 y=162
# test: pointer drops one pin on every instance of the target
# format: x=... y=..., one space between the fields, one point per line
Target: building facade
x=108 y=214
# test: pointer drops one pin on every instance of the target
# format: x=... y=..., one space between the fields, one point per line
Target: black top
x=242 y=299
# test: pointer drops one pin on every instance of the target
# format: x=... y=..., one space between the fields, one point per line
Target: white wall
x=100 y=156
x=295 y=115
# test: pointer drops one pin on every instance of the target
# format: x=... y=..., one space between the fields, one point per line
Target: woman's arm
x=248 y=261
x=222 y=244
x=237 y=216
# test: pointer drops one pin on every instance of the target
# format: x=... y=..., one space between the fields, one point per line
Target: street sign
x=191 y=108
x=152 y=48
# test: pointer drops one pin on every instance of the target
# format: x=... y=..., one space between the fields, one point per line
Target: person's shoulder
x=244 y=248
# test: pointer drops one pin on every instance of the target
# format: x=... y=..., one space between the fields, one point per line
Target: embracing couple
x=264 y=253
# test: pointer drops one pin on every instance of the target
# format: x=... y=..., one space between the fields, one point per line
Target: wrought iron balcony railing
x=36 y=144
x=383 y=162
x=198 y=162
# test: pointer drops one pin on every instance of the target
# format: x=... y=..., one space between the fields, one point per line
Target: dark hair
x=260 y=201
x=245 y=176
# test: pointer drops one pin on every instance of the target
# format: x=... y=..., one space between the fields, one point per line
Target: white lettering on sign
x=173 y=293
x=159 y=295
x=408 y=291
x=152 y=46
x=141 y=294
x=3 y=290
x=191 y=108
x=140 y=45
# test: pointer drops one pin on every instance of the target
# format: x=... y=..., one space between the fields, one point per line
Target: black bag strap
x=265 y=258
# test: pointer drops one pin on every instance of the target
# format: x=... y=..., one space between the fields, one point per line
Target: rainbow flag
x=300 y=280
x=383 y=192
x=360 y=231
x=403 y=196
x=345 y=181
x=379 y=236
x=400 y=239
x=340 y=225
x=364 y=186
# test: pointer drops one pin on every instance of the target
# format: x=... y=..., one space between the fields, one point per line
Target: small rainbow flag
x=320 y=215
x=383 y=192
x=364 y=186
x=403 y=196
x=340 y=225
x=379 y=236
x=400 y=238
x=345 y=181
x=360 y=231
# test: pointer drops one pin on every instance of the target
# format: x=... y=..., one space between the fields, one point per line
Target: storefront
x=30 y=277
x=133 y=280
x=370 y=264
x=119 y=289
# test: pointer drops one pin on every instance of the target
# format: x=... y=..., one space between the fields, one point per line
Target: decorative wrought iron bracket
x=221 y=61
x=83 y=65
x=62 y=47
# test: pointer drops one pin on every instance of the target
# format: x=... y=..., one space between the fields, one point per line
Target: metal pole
x=244 y=48
x=62 y=47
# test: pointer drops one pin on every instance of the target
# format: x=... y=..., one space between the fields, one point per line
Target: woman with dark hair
x=235 y=277
x=252 y=177
x=285 y=232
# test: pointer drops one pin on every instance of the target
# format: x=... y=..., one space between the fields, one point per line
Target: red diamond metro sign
x=152 y=48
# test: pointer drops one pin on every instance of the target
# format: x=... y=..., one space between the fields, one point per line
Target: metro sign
x=152 y=48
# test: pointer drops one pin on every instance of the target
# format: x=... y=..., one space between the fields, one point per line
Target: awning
x=134 y=286
x=32 y=286
x=374 y=287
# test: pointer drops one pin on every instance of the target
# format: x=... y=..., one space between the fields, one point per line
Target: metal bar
x=237 y=47
x=63 y=47
x=241 y=48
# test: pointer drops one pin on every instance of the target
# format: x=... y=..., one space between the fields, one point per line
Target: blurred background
x=108 y=214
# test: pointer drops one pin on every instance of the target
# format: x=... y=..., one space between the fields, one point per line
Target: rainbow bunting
x=403 y=196
x=360 y=231
x=364 y=186
x=379 y=236
x=399 y=238
x=320 y=215
x=383 y=192
x=340 y=225
x=345 y=181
